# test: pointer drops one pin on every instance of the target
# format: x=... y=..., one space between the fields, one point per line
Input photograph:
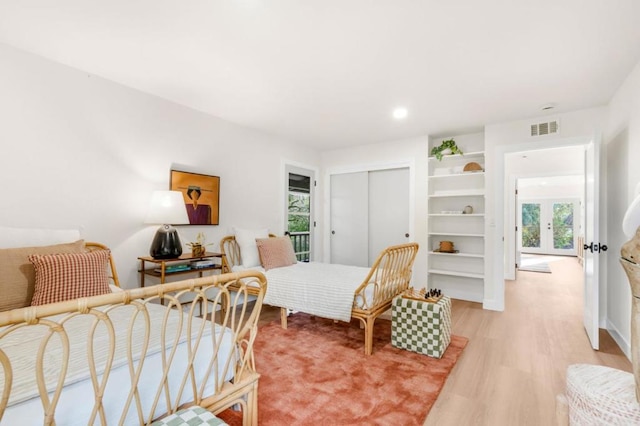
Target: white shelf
x=459 y=254
x=456 y=215
x=465 y=155
x=454 y=234
x=456 y=273
x=450 y=188
x=457 y=175
x=458 y=194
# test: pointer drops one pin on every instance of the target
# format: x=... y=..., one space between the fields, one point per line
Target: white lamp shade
x=167 y=207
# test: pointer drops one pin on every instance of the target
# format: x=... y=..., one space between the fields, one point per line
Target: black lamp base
x=166 y=243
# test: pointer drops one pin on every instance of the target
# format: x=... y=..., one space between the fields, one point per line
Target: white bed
x=323 y=289
x=339 y=292
x=22 y=345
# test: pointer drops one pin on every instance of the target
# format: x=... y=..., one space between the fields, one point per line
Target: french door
x=299 y=210
x=548 y=226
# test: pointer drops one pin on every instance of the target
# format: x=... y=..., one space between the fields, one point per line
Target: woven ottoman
x=599 y=395
x=192 y=416
x=421 y=326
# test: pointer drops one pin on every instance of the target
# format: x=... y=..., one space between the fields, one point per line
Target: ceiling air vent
x=547 y=128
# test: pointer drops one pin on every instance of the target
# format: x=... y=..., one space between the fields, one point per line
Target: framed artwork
x=201 y=196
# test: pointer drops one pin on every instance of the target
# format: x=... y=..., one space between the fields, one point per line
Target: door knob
x=406 y=235
x=595 y=248
x=333 y=232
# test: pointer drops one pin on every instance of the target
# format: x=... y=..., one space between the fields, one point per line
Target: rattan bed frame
x=239 y=317
x=391 y=273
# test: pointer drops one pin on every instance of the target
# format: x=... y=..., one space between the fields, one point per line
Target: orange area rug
x=316 y=372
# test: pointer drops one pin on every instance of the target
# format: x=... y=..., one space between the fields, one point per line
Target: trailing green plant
x=437 y=151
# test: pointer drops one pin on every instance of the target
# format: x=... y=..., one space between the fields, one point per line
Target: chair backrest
x=391 y=273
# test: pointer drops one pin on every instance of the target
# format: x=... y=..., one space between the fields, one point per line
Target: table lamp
x=167 y=208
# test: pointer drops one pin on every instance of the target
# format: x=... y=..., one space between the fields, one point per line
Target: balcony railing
x=301 y=247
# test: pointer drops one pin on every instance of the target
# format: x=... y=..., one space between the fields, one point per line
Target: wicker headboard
x=231 y=252
x=112 y=274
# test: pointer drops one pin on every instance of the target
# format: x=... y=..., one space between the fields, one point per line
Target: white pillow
x=246 y=239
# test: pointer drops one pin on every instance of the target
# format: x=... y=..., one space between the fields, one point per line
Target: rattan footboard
x=389 y=276
x=203 y=362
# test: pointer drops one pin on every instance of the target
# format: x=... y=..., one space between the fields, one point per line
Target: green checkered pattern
x=192 y=416
x=421 y=327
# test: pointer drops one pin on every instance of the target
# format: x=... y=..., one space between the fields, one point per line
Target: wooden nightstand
x=162 y=268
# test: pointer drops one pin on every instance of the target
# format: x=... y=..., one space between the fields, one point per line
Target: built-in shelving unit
x=456 y=206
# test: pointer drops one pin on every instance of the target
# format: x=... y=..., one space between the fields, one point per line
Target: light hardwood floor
x=515 y=362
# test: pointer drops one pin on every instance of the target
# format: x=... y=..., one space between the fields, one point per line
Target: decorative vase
x=197 y=250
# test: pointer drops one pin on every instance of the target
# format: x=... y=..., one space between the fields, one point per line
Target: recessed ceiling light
x=400 y=113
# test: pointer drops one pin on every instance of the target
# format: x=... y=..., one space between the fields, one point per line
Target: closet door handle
x=406 y=235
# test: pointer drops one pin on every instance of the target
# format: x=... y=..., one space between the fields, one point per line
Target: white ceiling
x=328 y=73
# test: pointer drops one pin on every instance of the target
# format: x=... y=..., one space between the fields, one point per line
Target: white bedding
x=322 y=289
x=25 y=406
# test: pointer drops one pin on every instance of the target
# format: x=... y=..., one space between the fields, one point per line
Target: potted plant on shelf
x=447 y=147
x=198 y=248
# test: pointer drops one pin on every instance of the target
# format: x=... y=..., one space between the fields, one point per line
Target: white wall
x=81 y=151
x=500 y=139
x=551 y=192
x=411 y=152
x=622 y=140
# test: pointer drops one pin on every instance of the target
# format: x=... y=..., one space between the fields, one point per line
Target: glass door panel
x=299 y=205
x=563 y=235
x=530 y=226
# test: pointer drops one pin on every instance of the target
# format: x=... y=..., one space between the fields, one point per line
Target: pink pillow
x=62 y=277
x=276 y=252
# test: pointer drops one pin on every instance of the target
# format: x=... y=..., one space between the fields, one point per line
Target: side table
x=159 y=268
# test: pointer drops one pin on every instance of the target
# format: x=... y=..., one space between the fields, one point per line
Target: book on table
x=174 y=268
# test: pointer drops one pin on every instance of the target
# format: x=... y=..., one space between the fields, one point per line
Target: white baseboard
x=621 y=341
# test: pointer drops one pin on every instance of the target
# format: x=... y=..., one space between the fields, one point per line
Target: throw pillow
x=62 y=277
x=246 y=239
x=276 y=252
x=17 y=275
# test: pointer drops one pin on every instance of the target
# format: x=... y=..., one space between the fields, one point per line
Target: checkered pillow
x=62 y=277
x=276 y=252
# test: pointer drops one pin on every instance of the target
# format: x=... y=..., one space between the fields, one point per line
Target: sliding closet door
x=388 y=209
x=369 y=212
x=349 y=218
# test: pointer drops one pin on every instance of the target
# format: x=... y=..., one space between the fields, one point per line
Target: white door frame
x=367 y=167
x=292 y=166
x=500 y=244
x=511 y=239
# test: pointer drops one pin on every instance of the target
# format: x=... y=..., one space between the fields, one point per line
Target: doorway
x=504 y=242
x=299 y=203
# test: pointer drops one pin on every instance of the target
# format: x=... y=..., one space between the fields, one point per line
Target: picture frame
x=201 y=195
